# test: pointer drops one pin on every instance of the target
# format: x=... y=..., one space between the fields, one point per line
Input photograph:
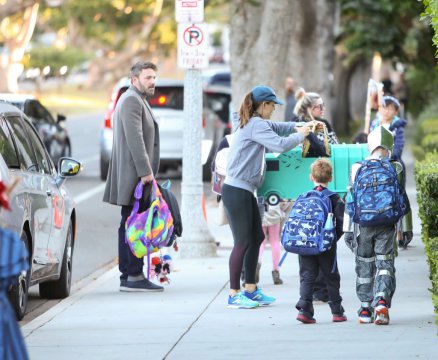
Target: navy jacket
x=398 y=129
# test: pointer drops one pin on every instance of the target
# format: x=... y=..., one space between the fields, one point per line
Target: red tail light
x=158 y=101
x=107 y=121
x=162 y=100
x=204 y=122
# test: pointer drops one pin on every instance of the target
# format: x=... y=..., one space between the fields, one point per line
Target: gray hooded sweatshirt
x=246 y=162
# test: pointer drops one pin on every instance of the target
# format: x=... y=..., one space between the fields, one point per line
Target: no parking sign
x=192 y=46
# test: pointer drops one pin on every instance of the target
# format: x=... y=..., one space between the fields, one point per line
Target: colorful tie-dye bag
x=149 y=231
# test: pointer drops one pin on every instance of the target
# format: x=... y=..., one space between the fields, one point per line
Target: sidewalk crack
x=195 y=321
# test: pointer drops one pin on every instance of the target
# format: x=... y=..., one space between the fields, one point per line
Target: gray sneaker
x=139 y=286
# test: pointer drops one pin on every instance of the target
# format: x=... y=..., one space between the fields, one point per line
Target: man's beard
x=147 y=91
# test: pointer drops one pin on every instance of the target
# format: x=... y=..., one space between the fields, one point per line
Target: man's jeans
x=128 y=263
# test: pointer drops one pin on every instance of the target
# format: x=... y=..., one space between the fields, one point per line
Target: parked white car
x=43 y=211
x=167 y=105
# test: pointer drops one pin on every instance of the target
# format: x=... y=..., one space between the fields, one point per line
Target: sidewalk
x=189 y=320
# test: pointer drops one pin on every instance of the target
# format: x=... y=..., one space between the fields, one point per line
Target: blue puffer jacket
x=397 y=127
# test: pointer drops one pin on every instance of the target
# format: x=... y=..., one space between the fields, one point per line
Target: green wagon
x=287 y=174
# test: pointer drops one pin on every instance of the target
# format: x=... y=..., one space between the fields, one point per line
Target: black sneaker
x=123 y=282
x=139 y=286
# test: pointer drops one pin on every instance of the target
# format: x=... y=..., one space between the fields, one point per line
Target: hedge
x=426 y=176
x=426 y=138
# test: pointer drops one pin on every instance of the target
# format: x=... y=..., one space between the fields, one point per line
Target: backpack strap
x=327 y=193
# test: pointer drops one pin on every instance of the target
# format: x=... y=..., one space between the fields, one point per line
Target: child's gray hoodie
x=246 y=156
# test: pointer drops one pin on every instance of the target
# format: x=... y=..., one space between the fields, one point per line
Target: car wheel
x=19 y=292
x=273 y=199
x=103 y=170
x=60 y=288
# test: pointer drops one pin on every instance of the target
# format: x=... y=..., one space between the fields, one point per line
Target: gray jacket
x=246 y=163
x=136 y=148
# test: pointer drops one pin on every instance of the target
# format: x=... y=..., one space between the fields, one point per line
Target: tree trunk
x=15 y=43
x=276 y=38
x=350 y=91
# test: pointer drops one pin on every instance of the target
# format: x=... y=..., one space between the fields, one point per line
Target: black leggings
x=246 y=225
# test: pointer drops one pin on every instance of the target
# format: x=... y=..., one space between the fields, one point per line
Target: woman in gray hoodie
x=245 y=171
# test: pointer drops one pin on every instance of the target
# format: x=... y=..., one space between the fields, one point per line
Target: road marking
x=90 y=193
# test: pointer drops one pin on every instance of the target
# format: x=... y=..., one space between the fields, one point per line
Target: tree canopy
x=394 y=29
x=431 y=14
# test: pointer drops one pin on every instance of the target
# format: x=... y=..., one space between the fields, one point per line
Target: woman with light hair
x=310 y=107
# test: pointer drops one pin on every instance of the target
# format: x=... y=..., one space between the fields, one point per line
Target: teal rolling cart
x=287 y=174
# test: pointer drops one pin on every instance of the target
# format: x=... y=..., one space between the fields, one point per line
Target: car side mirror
x=60 y=117
x=68 y=167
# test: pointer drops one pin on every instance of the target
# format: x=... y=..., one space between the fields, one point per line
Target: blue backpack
x=310 y=229
x=377 y=198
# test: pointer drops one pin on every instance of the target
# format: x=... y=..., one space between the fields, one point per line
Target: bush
x=426 y=176
x=426 y=137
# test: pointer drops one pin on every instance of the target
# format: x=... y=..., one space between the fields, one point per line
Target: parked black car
x=52 y=132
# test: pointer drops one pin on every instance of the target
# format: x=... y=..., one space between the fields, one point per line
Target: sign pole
x=193 y=55
x=197 y=240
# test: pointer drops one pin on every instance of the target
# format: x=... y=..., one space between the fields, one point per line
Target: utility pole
x=193 y=56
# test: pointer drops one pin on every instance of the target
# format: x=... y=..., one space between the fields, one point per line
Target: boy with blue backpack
x=312 y=230
x=375 y=203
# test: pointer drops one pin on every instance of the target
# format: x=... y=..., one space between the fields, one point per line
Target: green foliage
x=217 y=38
x=41 y=56
x=370 y=26
x=111 y=24
x=392 y=28
x=426 y=137
x=426 y=175
x=431 y=15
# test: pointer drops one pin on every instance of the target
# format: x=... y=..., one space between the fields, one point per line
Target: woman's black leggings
x=246 y=225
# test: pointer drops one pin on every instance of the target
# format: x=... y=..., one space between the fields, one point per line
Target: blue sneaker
x=261 y=298
x=239 y=301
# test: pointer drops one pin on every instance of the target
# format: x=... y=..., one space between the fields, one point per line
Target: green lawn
x=68 y=100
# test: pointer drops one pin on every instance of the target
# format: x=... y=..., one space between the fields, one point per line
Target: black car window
x=168 y=97
x=40 y=152
x=43 y=114
x=219 y=103
x=38 y=113
x=31 y=111
x=24 y=148
x=7 y=148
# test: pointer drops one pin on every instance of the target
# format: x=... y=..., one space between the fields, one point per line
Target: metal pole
x=196 y=240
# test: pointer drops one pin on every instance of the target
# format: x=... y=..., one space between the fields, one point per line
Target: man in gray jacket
x=135 y=156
